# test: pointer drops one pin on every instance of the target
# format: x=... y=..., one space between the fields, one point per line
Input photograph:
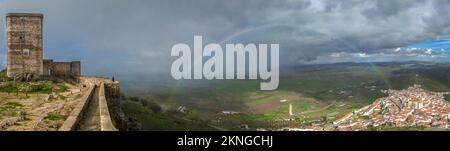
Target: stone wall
x=106 y=122
x=112 y=93
x=47 y=64
x=75 y=116
x=62 y=69
x=24 y=44
x=111 y=116
x=75 y=68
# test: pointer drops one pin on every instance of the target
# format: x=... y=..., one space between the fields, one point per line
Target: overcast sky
x=136 y=36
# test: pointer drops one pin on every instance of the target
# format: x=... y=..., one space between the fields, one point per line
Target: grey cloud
x=137 y=35
x=439 y=22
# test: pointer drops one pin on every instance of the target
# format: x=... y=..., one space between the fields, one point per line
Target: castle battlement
x=24 y=39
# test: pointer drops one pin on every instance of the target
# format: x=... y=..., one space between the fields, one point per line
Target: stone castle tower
x=24 y=44
x=25 y=49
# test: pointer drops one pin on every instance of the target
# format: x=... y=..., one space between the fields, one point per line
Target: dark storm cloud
x=137 y=35
x=439 y=23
